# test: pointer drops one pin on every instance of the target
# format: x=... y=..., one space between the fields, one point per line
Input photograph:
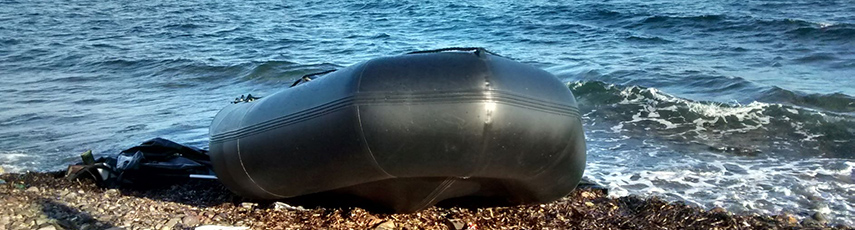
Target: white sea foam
x=714 y=154
x=17 y=161
x=711 y=112
x=823 y=25
x=740 y=184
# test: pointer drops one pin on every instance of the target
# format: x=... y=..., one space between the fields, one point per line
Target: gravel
x=49 y=201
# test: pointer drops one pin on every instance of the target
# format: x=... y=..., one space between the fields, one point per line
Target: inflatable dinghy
x=406 y=132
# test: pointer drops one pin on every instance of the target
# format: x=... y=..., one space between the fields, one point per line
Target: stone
x=49 y=227
x=387 y=225
x=635 y=177
x=455 y=224
x=41 y=221
x=111 y=193
x=69 y=194
x=792 y=220
x=63 y=224
x=30 y=222
x=280 y=206
x=33 y=189
x=788 y=219
x=814 y=198
x=248 y=205
x=20 y=225
x=2 y=181
x=718 y=210
x=374 y=221
x=819 y=218
x=171 y=223
x=587 y=194
x=190 y=221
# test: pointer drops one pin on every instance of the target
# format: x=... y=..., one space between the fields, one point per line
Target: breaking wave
x=756 y=128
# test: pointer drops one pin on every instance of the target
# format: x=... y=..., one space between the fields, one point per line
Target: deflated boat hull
x=407 y=132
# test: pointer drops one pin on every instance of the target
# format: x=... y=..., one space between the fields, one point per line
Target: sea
x=743 y=104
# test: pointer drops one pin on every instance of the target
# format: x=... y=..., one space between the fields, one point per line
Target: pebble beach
x=47 y=200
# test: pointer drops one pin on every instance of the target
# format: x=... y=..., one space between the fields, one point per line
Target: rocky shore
x=49 y=201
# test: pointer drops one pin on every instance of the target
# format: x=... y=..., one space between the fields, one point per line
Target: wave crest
x=744 y=129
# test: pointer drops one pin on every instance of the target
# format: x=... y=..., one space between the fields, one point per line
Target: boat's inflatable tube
x=406 y=132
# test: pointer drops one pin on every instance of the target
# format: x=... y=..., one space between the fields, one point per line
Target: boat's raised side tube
x=407 y=132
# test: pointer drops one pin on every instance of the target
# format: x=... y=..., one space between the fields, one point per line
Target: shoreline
x=46 y=200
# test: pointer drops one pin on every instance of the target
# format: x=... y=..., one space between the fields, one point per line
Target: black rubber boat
x=406 y=132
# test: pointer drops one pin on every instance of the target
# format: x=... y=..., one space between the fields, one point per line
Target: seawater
x=748 y=105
